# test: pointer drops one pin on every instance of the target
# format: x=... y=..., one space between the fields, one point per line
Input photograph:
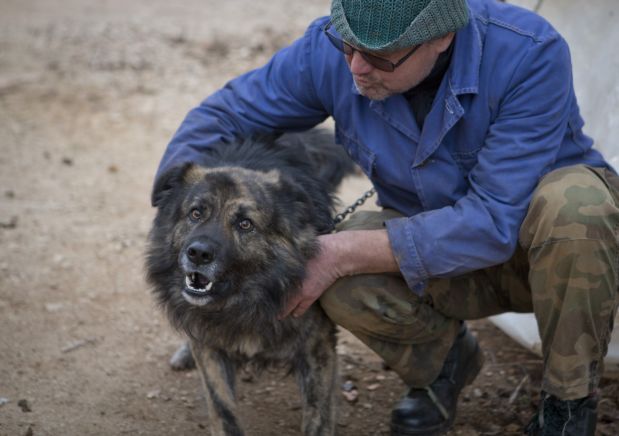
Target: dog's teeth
x=192 y=279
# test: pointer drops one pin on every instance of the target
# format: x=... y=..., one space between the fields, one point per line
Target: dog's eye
x=245 y=225
x=195 y=214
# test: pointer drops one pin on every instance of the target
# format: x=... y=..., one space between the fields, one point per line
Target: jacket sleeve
x=278 y=96
x=481 y=229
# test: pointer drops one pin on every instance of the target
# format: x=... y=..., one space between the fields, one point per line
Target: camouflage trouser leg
x=380 y=310
x=571 y=235
x=565 y=270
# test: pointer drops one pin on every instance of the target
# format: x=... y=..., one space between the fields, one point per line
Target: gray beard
x=360 y=91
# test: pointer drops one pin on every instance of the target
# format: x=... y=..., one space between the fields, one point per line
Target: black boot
x=564 y=417
x=432 y=410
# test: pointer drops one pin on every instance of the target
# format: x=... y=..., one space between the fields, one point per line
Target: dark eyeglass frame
x=376 y=61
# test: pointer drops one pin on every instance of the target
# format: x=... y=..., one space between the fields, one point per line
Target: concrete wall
x=592 y=30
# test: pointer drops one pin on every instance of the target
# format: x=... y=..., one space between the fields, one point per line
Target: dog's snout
x=201 y=253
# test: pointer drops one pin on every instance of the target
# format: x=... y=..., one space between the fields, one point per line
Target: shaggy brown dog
x=228 y=248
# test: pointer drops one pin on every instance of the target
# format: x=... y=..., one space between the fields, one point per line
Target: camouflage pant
x=565 y=270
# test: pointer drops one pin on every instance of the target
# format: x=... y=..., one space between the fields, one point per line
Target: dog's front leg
x=218 y=377
x=317 y=377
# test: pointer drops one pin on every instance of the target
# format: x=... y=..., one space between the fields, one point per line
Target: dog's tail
x=330 y=160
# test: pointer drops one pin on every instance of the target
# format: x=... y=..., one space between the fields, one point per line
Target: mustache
x=365 y=78
x=361 y=84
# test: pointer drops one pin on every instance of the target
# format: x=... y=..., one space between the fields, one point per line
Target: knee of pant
x=341 y=306
x=356 y=302
x=570 y=203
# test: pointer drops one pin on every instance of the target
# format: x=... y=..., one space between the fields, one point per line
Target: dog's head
x=231 y=236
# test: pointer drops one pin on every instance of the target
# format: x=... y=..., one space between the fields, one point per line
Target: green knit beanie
x=391 y=25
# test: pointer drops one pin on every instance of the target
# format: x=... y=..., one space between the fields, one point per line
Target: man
x=463 y=115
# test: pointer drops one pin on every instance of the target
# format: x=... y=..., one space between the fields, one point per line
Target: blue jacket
x=505 y=114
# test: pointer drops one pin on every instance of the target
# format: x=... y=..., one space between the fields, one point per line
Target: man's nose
x=358 y=65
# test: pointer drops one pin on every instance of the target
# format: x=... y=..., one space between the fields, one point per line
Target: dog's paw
x=182 y=359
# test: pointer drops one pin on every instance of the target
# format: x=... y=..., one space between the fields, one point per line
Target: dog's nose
x=200 y=253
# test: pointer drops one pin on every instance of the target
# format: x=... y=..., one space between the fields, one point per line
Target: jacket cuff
x=400 y=232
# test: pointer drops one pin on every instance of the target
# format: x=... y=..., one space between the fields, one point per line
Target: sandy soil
x=90 y=93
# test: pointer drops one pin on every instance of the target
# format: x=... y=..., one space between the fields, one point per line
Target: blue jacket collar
x=465 y=65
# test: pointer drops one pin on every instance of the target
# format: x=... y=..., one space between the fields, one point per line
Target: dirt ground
x=90 y=93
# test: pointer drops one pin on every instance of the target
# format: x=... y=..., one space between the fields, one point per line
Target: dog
x=227 y=250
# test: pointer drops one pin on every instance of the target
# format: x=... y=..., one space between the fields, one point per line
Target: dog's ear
x=167 y=182
x=306 y=204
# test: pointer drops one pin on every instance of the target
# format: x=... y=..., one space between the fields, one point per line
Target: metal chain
x=350 y=209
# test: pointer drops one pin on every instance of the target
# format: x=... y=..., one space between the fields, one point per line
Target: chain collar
x=350 y=209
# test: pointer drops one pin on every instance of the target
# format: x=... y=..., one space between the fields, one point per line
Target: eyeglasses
x=376 y=61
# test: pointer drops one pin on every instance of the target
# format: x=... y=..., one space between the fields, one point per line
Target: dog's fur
x=246 y=220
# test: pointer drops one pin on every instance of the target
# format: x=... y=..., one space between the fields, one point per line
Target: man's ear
x=442 y=43
x=167 y=182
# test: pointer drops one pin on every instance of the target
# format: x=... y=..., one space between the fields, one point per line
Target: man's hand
x=341 y=254
x=320 y=273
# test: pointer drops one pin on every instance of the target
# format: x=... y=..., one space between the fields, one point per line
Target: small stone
x=373 y=386
x=10 y=224
x=247 y=377
x=348 y=386
x=113 y=169
x=3 y=401
x=24 y=406
x=380 y=377
x=351 y=396
x=153 y=394
x=512 y=428
x=74 y=345
x=495 y=429
x=477 y=393
x=67 y=161
x=29 y=432
x=53 y=307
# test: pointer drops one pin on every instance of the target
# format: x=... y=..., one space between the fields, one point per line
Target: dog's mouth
x=197 y=284
x=198 y=289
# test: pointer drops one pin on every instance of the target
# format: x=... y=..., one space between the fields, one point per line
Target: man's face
x=378 y=85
